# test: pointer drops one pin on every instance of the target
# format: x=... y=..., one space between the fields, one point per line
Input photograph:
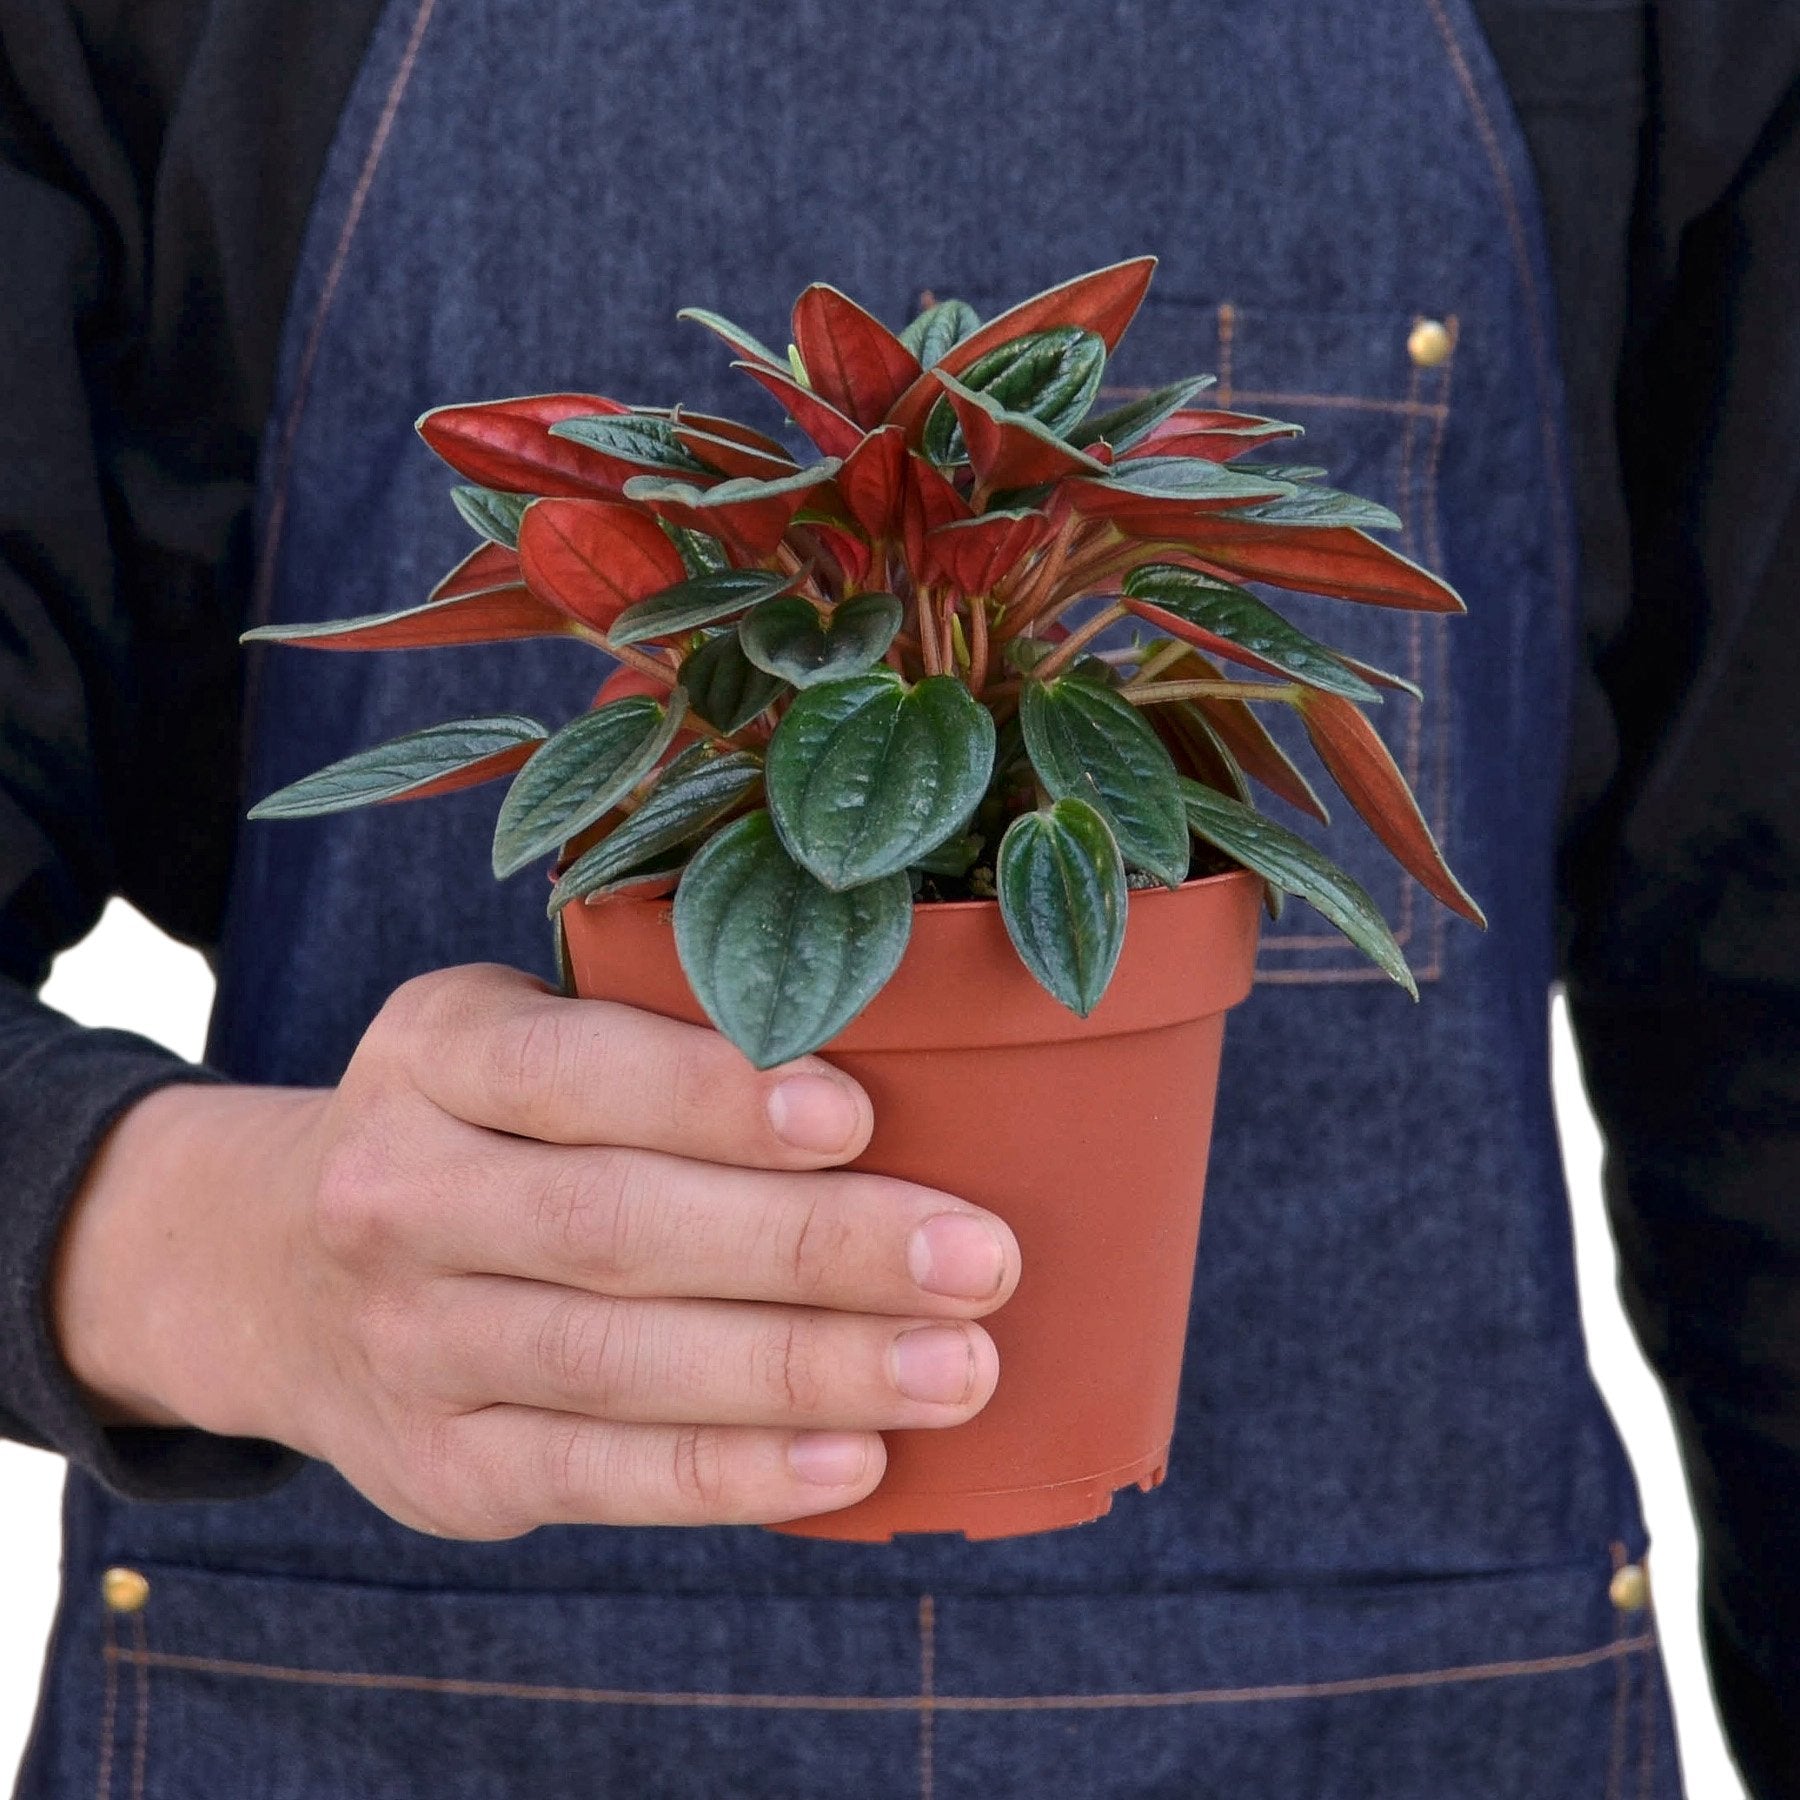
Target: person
x=378 y=1343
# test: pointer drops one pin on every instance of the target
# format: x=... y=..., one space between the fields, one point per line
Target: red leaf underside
x=506 y=444
x=1216 y=436
x=973 y=554
x=594 y=558
x=490 y=768
x=1005 y=455
x=1249 y=739
x=930 y=502
x=725 y=456
x=1360 y=763
x=853 y=361
x=1202 y=639
x=872 y=482
x=1335 y=560
x=485 y=570
x=829 y=429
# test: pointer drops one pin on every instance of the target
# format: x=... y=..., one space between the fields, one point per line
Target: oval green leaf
x=493 y=514
x=697 y=789
x=406 y=766
x=780 y=962
x=650 y=442
x=867 y=774
x=1088 y=744
x=1063 y=896
x=940 y=328
x=581 y=773
x=787 y=637
x=1235 y=616
x=1048 y=376
x=725 y=687
x=700 y=600
x=1293 y=865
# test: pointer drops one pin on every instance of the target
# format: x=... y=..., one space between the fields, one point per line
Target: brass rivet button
x=124 y=1590
x=1630 y=1588
x=1429 y=343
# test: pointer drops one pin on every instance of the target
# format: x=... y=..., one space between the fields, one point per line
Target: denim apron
x=1385 y=1559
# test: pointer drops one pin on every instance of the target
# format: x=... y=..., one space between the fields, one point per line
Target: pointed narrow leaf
x=487 y=569
x=834 y=432
x=1063 y=897
x=1380 y=677
x=939 y=329
x=635 y=443
x=438 y=760
x=1360 y=763
x=867 y=774
x=507 y=444
x=696 y=790
x=1213 y=436
x=1184 y=488
x=725 y=687
x=790 y=639
x=857 y=365
x=585 y=770
x=1232 y=622
x=1337 y=561
x=1088 y=744
x=1311 y=507
x=1248 y=739
x=1134 y=420
x=1294 y=866
x=726 y=456
x=484 y=618
x=700 y=600
x=780 y=962
x=740 y=340
x=492 y=514
x=1104 y=301
x=1050 y=376
x=594 y=558
x=1198 y=749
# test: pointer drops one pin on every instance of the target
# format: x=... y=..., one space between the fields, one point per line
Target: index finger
x=497 y=1048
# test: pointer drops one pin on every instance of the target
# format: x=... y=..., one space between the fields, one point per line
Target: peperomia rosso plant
x=988 y=643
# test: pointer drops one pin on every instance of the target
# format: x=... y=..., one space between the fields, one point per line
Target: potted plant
x=932 y=740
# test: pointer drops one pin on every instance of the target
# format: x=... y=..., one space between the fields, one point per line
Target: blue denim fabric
x=1379 y=1566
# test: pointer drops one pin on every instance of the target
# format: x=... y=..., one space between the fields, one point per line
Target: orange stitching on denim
x=140 y=1747
x=109 y=1710
x=927 y=1696
x=1227 y=327
x=1349 y=1688
x=315 y=335
x=1534 y=306
x=1348 y=402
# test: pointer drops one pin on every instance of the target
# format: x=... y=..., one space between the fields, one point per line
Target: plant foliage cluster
x=894 y=671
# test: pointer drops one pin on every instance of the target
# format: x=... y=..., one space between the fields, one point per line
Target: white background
x=127 y=975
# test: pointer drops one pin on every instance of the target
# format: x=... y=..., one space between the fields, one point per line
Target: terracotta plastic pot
x=1089 y=1137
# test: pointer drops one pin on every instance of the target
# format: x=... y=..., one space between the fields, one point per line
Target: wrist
x=161 y=1291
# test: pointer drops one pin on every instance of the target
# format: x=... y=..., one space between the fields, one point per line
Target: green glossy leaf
x=1317 y=506
x=700 y=600
x=1088 y=744
x=1192 y=478
x=954 y=857
x=939 y=328
x=581 y=773
x=1063 y=897
x=725 y=687
x=1294 y=866
x=648 y=441
x=493 y=514
x=438 y=758
x=1235 y=616
x=780 y=962
x=701 y=553
x=696 y=790
x=866 y=775
x=787 y=637
x=1132 y=422
x=1050 y=377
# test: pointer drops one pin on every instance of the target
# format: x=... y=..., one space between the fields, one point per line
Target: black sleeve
x=1683 y=874
x=155 y=167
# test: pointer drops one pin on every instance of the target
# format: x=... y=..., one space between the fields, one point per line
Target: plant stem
x=978 y=644
x=1153 y=665
x=1078 y=640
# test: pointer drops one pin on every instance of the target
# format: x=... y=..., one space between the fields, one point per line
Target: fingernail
x=957 y=1255
x=935 y=1362
x=813 y=1112
x=829 y=1458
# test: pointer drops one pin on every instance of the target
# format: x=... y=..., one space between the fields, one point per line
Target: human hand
x=533 y=1261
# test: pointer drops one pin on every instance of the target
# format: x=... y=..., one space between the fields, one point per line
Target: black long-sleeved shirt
x=156 y=163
